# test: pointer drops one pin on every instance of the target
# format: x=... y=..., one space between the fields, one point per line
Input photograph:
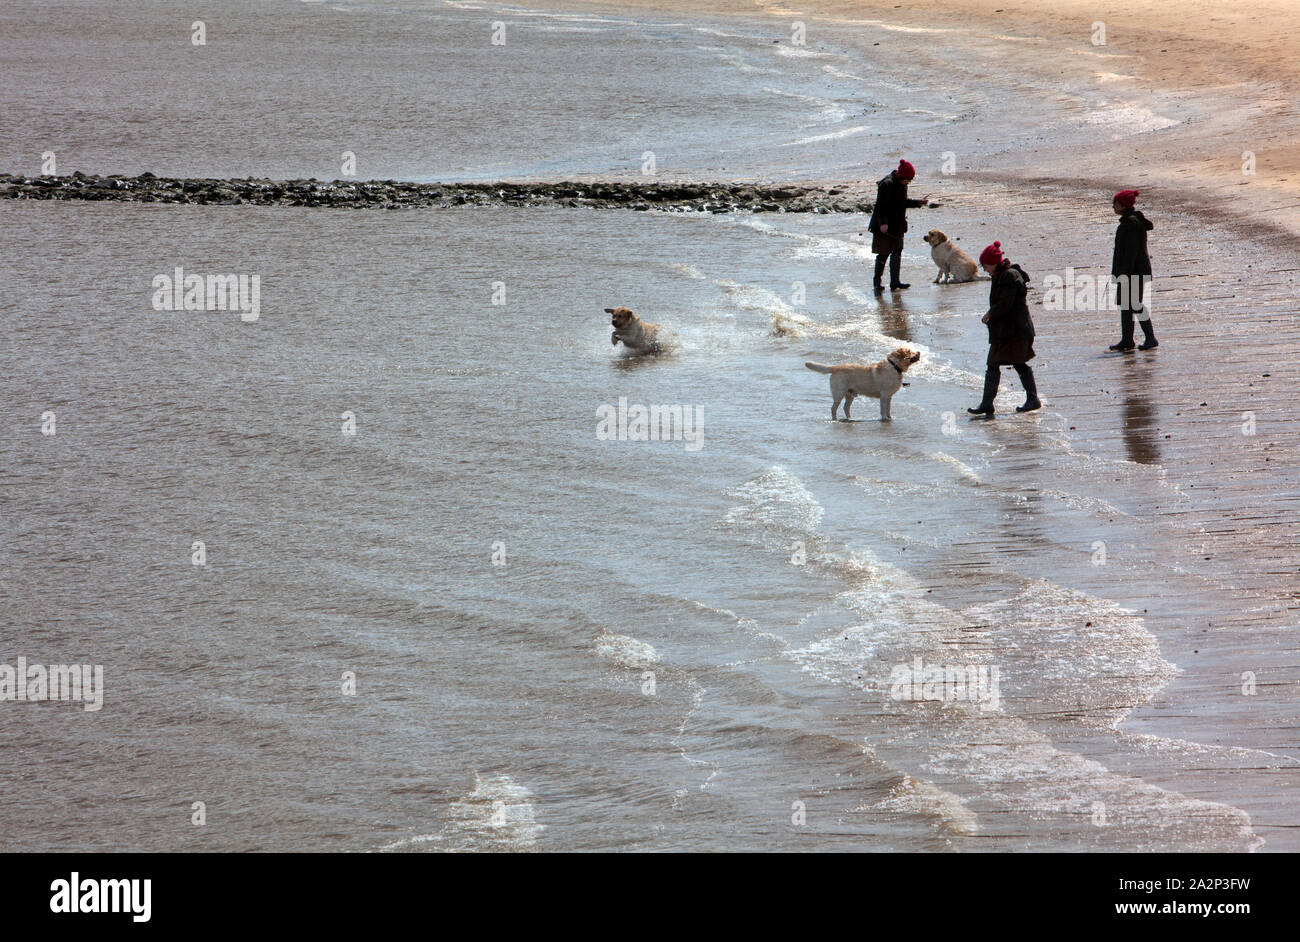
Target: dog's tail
x=819 y=367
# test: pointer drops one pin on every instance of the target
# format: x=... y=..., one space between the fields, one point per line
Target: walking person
x=1132 y=265
x=1011 y=332
x=889 y=223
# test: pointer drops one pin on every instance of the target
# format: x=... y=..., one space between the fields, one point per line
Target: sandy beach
x=1239 y=63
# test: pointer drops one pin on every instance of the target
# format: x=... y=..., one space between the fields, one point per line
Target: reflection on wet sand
x=893 y=316
x=1139 y=426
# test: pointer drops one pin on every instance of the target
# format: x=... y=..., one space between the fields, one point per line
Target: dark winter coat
x=1131 y=258
x=891 y=206
x=1011 y=332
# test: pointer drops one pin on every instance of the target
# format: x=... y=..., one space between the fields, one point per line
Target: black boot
x=1126 y=333
x=1150 y=343
x=880 y=273
x=896 y=282
x=992 y=376
x=1031 y=388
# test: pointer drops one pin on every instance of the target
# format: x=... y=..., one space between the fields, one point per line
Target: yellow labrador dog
x=954 y=264
x=879 y=381
x=636 y=335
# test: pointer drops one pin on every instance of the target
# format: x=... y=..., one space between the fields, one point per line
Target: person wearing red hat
x=889 y=223
x=1011 y=331
x=1132 y=264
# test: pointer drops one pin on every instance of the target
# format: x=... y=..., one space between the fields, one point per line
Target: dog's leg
x=884 y=409
x=938 y=276
x=613 y=338
x=848 y=404
x=835 y=408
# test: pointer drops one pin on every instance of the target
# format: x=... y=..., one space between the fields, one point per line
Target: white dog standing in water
x=880 y=381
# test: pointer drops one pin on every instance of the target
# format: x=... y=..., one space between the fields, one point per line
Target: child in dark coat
x=1132 y=264
x=1011 y=331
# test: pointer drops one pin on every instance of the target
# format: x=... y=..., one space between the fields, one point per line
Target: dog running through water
x=635 y=334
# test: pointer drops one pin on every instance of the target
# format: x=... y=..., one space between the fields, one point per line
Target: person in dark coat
x=889 y=223
x=1011 y=332
x=1132 y=265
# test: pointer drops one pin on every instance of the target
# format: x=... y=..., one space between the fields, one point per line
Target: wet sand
x=1210 y=416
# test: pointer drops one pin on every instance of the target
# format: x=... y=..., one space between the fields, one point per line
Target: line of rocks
x=393 y=194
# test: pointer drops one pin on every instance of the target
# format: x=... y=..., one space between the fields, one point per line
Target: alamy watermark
x=182 y=292
x=1083 y=292
x=656 y=423
x=946 y=683
x=76 y=682
x=78 y=894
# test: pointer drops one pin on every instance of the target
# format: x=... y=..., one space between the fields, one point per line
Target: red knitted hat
x=1126 y=198
x=905 y=171
x=992 y=255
